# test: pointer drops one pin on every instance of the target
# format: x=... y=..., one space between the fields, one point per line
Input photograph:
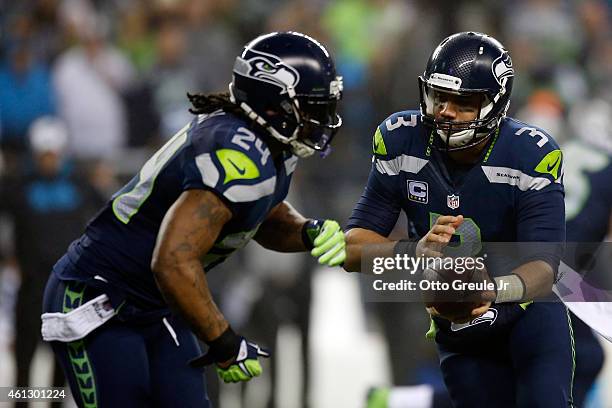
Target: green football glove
x=241 y=354
x=246 y=365
x=325 y=238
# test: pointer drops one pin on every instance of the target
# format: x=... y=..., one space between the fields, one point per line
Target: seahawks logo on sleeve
x=551 y=164
x=236 y=165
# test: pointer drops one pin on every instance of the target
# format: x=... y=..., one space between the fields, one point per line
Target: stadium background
x=116 y=73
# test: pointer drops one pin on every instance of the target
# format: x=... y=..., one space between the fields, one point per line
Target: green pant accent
x=73 y=298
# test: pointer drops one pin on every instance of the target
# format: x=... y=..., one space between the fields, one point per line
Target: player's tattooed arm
x=188 y=231
x=282 y=229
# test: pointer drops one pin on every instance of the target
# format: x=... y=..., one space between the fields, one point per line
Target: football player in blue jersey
x=463 y=171
x=123 y=304
x=588 y=208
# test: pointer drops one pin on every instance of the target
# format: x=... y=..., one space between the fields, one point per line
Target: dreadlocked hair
x=208 y=103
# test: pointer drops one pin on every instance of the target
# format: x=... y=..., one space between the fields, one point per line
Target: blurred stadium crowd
x=89 y=88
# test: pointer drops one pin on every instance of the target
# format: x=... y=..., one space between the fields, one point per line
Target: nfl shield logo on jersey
x=452 y=201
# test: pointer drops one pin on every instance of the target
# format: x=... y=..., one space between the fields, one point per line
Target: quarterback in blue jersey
x=126 y=304
x=463 y=171
x=588 y=208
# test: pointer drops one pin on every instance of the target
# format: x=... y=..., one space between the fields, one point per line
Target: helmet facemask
x=319 y=123
x=306 y=123
x=459 y=135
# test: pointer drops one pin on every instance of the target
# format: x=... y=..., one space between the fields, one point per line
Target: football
x=454 y=293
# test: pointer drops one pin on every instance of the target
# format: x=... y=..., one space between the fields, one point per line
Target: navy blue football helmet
x=287 y=83
x=466 y=64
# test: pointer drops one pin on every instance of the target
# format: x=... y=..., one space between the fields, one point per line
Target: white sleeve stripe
x=208 y=170
x=514 y=177
x=393 y=167
x=242 y=193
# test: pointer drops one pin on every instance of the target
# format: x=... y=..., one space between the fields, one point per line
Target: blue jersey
x=588 y=200
x=513 y=194
x=216 y=152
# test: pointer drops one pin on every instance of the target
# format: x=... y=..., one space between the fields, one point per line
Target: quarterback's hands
x=439 y=236
x=243 y=367
x=484 y=297
x=480 y=310
x=464 y=305
x=327 y=241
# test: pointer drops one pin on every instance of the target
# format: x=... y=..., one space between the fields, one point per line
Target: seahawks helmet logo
x=268 y=68
x=502 y=68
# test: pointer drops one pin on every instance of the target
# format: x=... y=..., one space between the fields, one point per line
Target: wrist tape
x=509 y=288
